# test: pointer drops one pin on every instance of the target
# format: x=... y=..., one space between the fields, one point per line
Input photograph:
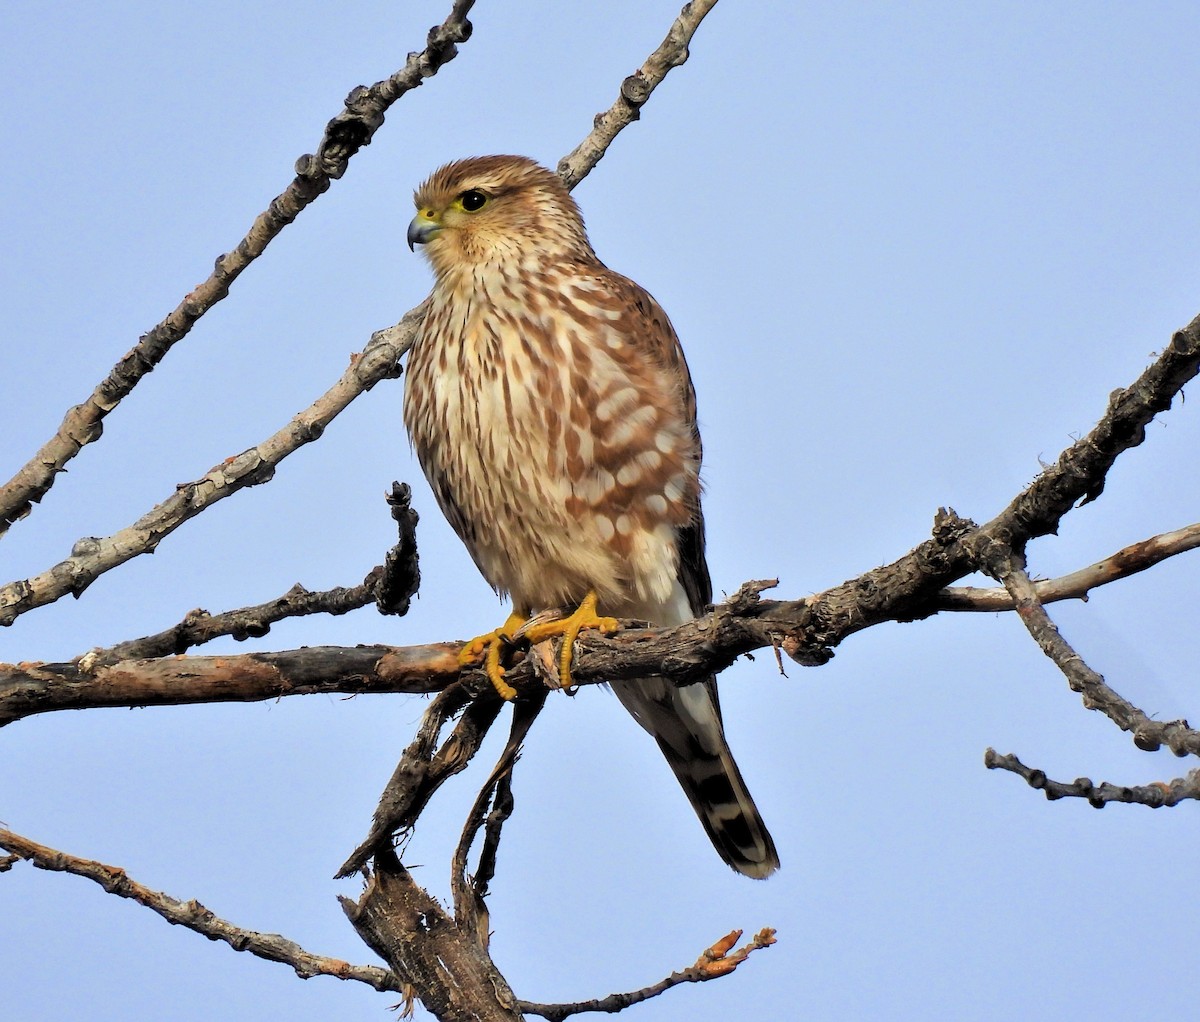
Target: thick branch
x=691 y=650
x=344 y=136
x=31 y=688
x=195 y=916
x=453 y=975
x=746 y=623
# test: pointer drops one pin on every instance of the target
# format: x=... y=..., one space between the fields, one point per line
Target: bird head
x=493 y=209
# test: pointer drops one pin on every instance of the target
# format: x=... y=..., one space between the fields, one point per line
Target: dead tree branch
x=713 y=962
x=452 y=973
x=1077 y=585
x=131 y=674
x=1156 y=795
x=348 y=132
x=1148 y=735
x=31 y=688
x=194 y=916
x=635 y=91
x=390 y=586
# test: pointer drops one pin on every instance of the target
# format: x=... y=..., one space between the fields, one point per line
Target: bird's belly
x=538 y=543
x=497 y=461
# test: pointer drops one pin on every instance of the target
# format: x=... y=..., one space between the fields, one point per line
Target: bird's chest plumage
x=483 y=402
x=525 y=407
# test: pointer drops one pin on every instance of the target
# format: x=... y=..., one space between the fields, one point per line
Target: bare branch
x=635 y=90
x=1156 y=795
x=1148 y=735
x=92 y=556
x=31 y=688
x=1125 y=562
x=710 y=643
x=1080 y=472
x=470 y=910
x=194 y=916
x=379 y=360
x=713 y=962
x=348 y=132
x=421 y=771
x=694 y=649
x=806 y=629
x=390 y=586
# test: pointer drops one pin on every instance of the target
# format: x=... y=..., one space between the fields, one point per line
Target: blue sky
x=909 y=248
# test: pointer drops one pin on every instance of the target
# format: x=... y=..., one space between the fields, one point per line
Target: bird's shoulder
x=632 y=310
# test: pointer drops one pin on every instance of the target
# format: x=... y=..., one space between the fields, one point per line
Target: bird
x=551 y=409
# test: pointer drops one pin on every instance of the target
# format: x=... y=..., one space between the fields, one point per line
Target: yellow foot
x=569 y=628
x=487 y=649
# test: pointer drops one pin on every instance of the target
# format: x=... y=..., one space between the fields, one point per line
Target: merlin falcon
x=552 y=411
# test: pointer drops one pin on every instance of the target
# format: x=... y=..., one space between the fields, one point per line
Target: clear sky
x=910 y=249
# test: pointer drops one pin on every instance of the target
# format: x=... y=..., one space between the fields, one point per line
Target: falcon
x=551 y=409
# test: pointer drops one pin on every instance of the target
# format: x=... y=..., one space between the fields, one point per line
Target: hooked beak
x=423 y=227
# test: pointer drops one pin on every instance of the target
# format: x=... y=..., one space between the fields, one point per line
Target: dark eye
x=473 y=200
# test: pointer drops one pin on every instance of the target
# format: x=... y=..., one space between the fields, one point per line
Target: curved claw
x=569 y=628
x=488 y=648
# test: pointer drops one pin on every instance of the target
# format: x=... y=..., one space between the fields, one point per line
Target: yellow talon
x=569 y=628
x=487 y=648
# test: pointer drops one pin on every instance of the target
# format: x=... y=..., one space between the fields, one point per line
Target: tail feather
x=687 y=726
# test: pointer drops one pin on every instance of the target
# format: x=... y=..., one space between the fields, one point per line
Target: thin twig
x=199 y=626
x=195 y=916
x=1156 y=795
x=1148 y=735
x=379 y=360
x=470 y=910
x=714 y=962
x=421 y=771
x=92 y=556
x=635 y=90
x=1125 y=562
x=348 y=132
x=390 y=586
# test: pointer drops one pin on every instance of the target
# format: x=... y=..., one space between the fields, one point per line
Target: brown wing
x=686 y=722
x=651 y=332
